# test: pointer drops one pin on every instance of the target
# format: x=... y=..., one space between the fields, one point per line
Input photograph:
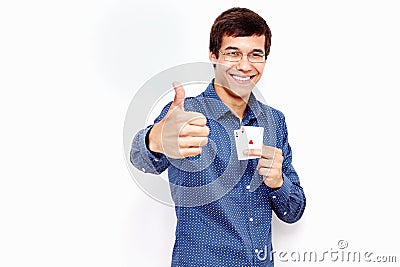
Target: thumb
x=179 y=98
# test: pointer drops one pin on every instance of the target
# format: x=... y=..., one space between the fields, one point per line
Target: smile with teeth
x=239 y=78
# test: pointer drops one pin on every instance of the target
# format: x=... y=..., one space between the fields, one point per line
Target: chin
x=240 y=90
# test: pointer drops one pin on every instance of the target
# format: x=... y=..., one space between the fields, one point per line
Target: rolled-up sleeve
x=145 y=160
x=289 y=201
x=141 y=157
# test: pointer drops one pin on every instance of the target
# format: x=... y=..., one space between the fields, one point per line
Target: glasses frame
x=241 y=57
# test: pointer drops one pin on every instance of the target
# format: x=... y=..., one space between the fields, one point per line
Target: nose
x=244 y=64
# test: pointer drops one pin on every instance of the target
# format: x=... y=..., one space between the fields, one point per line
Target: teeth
x=241 y=78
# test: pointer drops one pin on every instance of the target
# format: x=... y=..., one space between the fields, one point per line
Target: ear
x=213 y=57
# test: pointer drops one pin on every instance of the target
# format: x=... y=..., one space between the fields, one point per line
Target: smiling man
x=224 y=204
x=235 y=77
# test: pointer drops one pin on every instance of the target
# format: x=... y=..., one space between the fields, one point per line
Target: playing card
x=248 y=137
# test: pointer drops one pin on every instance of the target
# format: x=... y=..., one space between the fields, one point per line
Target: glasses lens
x=256 y=58
x=233 y=56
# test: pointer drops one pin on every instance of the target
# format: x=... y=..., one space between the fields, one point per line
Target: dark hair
x=238 y=22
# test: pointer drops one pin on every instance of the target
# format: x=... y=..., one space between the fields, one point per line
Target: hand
x=180 y=133
x=269 y=165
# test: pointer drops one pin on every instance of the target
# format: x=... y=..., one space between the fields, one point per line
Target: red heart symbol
x=250 y=142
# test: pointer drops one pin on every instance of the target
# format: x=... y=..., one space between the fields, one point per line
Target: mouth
x=242 y=79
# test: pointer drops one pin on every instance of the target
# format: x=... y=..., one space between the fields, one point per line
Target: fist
x=180 y=133
x=269 y=165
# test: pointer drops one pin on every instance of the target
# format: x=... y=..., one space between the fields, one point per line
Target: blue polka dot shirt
x=223 y=208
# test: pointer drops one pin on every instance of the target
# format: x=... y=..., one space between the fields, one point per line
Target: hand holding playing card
x=269 y=165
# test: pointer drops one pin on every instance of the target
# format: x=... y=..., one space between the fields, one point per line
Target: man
x=227 y=222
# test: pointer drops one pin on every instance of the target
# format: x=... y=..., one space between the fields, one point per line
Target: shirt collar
x=218 y=109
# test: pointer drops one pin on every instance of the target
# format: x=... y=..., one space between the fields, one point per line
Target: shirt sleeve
x=141 y=157
x=288 y=201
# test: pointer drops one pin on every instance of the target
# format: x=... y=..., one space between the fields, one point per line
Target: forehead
x=244 y=43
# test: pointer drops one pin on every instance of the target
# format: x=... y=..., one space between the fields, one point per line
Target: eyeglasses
x=236 y=56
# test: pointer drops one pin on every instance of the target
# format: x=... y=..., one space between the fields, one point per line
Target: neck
x=235 y=102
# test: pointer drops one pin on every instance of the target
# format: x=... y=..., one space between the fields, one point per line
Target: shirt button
x=248 y=187
x=256 y=250
x=143 y=170
x=285 y=213
x=251 y=219
x=273 y=196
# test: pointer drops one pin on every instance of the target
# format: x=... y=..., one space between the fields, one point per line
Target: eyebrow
x=236 y=48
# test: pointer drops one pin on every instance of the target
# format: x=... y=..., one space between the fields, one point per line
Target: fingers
x=265 y=163
x=270 y=163
x=190 y=141
x=273 y=179
x=180 y=117
x=179 y=98
x=268 y=152
x=193 y=118
x=190 y=151
x=194 y=130
x=269 y=172
x=252 y=152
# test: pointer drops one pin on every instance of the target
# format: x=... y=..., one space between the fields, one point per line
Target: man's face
x=239 y=78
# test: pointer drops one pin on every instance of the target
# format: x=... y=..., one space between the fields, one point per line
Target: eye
x=256 y=55
x=233 y=53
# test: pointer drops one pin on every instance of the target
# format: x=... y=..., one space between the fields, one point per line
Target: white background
x=69 y=69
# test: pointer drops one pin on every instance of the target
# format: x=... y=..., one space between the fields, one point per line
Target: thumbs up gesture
x=180 y=133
